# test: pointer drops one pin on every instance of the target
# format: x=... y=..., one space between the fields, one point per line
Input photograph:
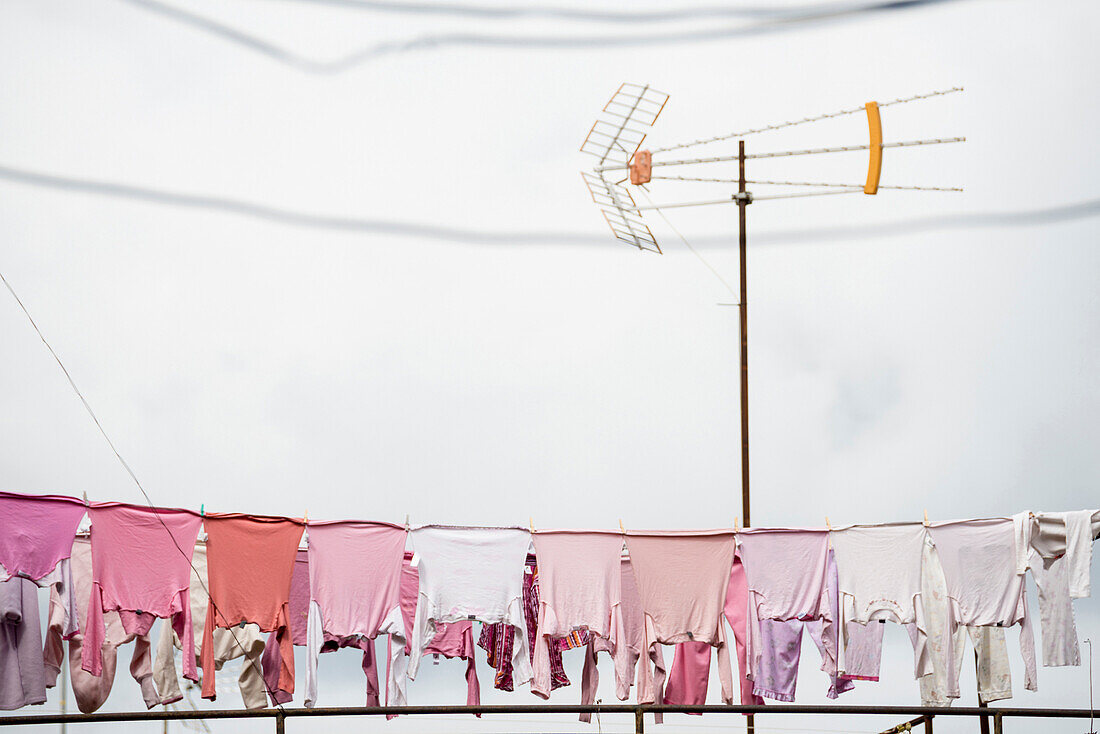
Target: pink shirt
x=580 y=587
x=355 y=590
x=682 y=580
x=38 y=533
x=141 y=567
x=785 y=575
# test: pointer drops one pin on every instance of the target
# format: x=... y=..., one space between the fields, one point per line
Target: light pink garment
x=736 y=612
x=580 y=587
x=91 y=691
x=785 y=574
x=451 y=639
x=38 y=533
x=979 y=566
x=141 y=567
x=682 y=579
x=355 y=591
x=629 y=658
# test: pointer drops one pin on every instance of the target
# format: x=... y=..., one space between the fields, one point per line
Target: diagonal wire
x=133 y=476
x=687 y=244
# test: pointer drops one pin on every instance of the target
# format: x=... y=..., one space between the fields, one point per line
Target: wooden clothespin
x=736 y=524
x=305 y=517
x=531 y=520
x=926 y=518
x=84 y=494
x=621 y=526
x=828 y=524
x=406 y=523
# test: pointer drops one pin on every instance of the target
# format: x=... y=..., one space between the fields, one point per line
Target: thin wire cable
x=133 y=476
x=687 y=244
x=803 y=121
x=801 y=183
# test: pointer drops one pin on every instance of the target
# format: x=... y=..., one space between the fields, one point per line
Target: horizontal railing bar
x=272 y=713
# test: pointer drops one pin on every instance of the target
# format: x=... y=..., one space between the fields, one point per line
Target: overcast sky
x=306 y=255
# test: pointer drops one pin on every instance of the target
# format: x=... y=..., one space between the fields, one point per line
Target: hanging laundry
x=785 y=577
x=250 y=562
x=91 y=691
x=37 y=541
x=497 y=640
x=580 y=591
x=141 y=568
x=777 y=669
x=629 y=652
x=471 y=574
x=1058 y=548
x=355 y=592
x=450 y=639
x=946 y=643
x=22 y=672
x=879 y=573
x=979 y=560
x=299 y=621
x=229 y=644
x=682 y=579
x=737 y=616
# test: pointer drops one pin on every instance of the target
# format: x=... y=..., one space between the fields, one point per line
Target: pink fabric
x=689 y=675
x=451 y=639
x=785 y=575
x=580 y=587
x=91 y=691
x=38 y=533
x=141 y=568
x=299 y=598
x=682 y=579
x=355 y=574
x=631 y=644
x=250 y=564
x=736 y=612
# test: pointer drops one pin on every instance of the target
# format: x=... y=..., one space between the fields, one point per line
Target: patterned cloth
x=498 y=639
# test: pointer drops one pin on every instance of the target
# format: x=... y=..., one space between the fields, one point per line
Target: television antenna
x=616 y=138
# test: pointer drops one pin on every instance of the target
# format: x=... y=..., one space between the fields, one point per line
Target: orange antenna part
x=874 y=163
x=641 y=168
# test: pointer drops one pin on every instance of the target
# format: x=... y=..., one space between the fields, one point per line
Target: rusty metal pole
x=743 y=311
x=927 y=725
x=742 y=203
x=280 y=722
x=639 y=721
x=997 y=723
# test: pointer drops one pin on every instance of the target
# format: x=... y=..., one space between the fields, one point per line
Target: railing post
x=997 y=723
x=280 y=722
x=639 y=721
x=928 y=724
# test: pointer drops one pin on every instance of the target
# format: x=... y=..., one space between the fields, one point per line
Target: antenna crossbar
x=801 y=183
x=783 y=153
x=804 y=120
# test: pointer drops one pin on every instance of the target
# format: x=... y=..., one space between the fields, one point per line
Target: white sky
x=908 y=351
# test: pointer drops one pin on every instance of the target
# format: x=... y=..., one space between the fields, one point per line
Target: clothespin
x=736 y=524
x=531 y=520
x=926 y=518
x=202 y=510
x=305 y=517
x=84 y=494
x=621 y=526
x=406 y=523
x=828 y=524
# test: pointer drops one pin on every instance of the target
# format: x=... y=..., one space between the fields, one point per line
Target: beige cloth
x=229 y=644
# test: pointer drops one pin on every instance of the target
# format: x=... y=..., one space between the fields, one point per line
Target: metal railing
x=923 y=714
